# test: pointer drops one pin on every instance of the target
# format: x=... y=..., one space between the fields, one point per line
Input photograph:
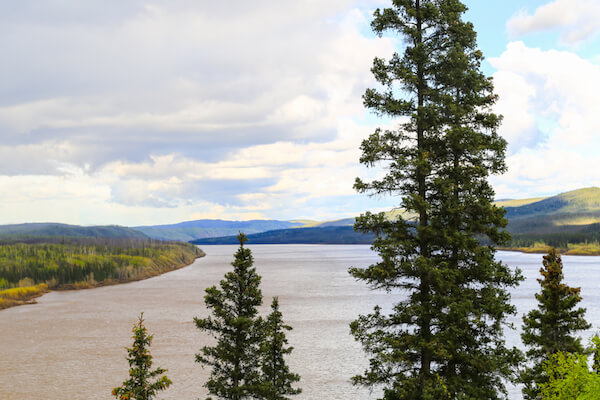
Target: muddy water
x=71 y=344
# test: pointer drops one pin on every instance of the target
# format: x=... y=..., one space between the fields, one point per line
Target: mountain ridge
x=575 y=213
x=53 y=229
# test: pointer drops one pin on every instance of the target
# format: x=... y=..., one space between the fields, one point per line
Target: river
x=72 y=344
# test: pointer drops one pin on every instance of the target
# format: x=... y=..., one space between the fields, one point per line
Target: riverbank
x=29 y=271
x=21 y=295
x=579 y=249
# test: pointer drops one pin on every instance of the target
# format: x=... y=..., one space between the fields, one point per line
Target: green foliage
x=238 y=329
x=550 y=328
x=143 y=383
x=444 y=339
x=89 y=262
x=569 y=376
x=277 y=380
x=248 y=359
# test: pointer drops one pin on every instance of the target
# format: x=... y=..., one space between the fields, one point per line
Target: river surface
x=72 y=344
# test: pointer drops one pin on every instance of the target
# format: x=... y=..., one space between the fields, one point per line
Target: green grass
x=518 y=202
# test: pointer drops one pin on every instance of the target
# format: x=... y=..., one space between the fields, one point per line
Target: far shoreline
x=544 y=250
x=525 y=250
x=32 y=293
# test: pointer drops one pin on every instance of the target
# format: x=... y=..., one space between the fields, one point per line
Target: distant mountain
x=517 y=202
x=55 y=229
x=575 y=211
x=572 y=216
x=206 y=228
x=316 y=235
x=337 y=222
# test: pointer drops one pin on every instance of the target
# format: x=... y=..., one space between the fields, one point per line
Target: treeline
x=316 y=235
x=558 y=240
x=73 y=263
x=56 y=229
x=128 y=242
x=247 y=359
x=567 y=243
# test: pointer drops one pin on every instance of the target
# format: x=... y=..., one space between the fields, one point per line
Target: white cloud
x=282 y=169
x=182 y=108
x=519 y=127
x=182 y=76
x=278 y=180
x=550 y=104
x=578 y=20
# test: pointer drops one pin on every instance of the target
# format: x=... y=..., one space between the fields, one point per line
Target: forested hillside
x=325 y=235
x=55 y=229
x=569 y=221
x=572 y=211
x=30 y=269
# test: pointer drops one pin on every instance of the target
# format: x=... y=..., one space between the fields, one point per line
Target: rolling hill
x=316 y=235
x=571 y=217
x=575 y=211
x=57 y=230
x=206 y=228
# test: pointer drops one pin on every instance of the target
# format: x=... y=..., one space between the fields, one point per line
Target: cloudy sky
x=143 y=112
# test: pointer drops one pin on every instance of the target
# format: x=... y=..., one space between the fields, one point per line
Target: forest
x=30 y=267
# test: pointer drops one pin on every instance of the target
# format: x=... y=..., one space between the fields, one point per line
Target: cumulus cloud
x=578 y=20
x=183 y=108
x=550 y=104
x=251 y=177
x=180 y=76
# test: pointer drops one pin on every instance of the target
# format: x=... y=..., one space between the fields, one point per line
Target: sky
x=143 y=112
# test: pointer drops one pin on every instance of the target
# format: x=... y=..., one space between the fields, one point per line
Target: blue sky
x=163 y=111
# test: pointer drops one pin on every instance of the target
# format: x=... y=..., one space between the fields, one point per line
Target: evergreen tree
x=550 y=328
x=444 y=337
x=238 y=329
x=139 y=386
x=277 y=379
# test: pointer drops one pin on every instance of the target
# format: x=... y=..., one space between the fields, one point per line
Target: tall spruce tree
x=277 y=380
x=551 y=327
x=238 y=329
x=444 y=337
x=143 y=383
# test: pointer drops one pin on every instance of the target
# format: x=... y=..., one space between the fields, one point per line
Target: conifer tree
x=277 y=380
x=444 y=337
x=140 y=385
x=550 y=328
x=238 y=329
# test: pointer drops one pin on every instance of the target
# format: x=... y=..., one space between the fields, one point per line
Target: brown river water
x=72 y=344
